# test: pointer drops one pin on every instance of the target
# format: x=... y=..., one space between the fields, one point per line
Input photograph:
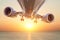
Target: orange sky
x=14 y=24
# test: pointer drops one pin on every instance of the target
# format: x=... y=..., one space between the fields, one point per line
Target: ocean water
x=29 y=36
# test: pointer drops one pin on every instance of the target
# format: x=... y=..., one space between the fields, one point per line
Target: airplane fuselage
x=30 y=6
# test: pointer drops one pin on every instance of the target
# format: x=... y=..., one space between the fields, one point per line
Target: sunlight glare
x=29 y=25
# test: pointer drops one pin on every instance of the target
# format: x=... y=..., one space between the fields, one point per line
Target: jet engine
x=48 y=18
x=10 y=12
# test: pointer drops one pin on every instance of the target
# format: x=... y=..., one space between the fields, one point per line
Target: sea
x=29 y=35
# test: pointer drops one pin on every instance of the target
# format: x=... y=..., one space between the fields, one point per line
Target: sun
x=28 y=25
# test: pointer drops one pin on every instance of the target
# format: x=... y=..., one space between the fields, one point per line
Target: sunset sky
x=14 y=24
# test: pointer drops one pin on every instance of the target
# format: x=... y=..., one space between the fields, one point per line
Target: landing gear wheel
x=35 y=21
x=22 y=19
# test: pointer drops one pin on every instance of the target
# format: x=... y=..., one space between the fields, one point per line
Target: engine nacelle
x=10 y=12
x=48 y=18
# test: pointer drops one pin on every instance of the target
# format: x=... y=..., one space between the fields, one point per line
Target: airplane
x=30 y=8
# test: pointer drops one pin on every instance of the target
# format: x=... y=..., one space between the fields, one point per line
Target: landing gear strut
x=22 y=19
x=35 y=21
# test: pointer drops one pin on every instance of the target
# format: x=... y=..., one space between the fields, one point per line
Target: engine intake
x=48 y=18
x=10 y=12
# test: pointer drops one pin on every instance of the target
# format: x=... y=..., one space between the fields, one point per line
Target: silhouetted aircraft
x=30 y=8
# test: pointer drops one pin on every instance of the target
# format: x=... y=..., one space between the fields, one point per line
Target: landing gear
x=22 y=19
x=35 y=21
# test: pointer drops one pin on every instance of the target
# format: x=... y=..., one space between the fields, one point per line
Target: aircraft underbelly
x=30 y=6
